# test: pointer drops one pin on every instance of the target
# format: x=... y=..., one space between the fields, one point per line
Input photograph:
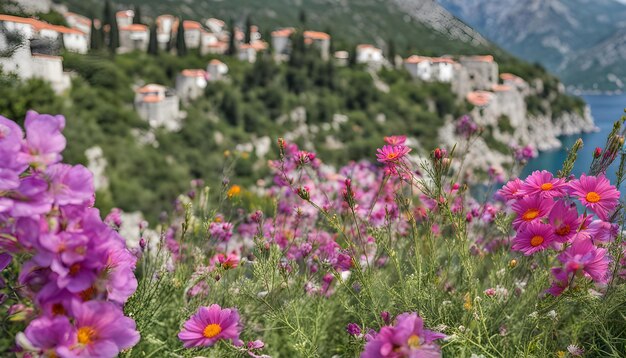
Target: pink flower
x=44 y=140
x=395 y=140
x=583 y=256
x=209 y=325
x=511 y=190
x=48 y=334
x=228 y=262
x=407 y=338
x=530 y=209
x=565 y=221
x=391 y=155
x=596 y=193
x=534 y=237
x=542 y=183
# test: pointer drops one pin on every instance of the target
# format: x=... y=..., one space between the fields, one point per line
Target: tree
x=137 y=17
x=248 y=30
x=391 y=52
x=352 y=58
x=107 y=13
x=114 y=36
x=302 y=17
x=232 y=47
x=181 y=47
x=94 y=37
x=153 y=46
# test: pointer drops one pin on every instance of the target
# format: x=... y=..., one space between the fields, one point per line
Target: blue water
x=605 y=110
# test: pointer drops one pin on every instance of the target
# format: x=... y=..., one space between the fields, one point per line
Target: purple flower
x=5 y=260
x=70 y=184
x=102 y=330
x=221 y=231
x=583 y=256
x=44 y=140
x=353 y=329
x=49 y=334
x=30 y=198
x=209 y=325
x=407 y=338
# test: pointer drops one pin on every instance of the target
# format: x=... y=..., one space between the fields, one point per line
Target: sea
x=605 y=109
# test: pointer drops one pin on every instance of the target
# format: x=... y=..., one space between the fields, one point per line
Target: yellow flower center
x=536 y=240
x=414 y=341
x=530 y=214
x=86 y=335
x=563 y=230
x=546 y=186
x=592 y=197
x=211 y=330
x=391 y=156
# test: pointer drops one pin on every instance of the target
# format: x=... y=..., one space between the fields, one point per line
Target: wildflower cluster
x=75 y=272
x=547 y=219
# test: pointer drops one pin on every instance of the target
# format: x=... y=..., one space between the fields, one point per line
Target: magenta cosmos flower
x=102 y=330
x=407 y=338
x=565 y=221
x=392 y=154
x=584 y=257
x=511 y=190
x=209 y=325
x=530 y=209
x=49 y=334
x=395 y=140
x=596 y=193
x=544 y=184
x=533 y=237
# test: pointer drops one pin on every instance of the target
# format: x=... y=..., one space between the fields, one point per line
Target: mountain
x=562 y=35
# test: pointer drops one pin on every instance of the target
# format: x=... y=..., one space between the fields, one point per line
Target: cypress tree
x=153 y=46
x=106 y=15
x=232 y=48
x=94 y=37
x=248 y=30
x=391 y=52
x=137 y=17
x=302 y=17
x=170 y=44
x=114 y=36
x=181 y=47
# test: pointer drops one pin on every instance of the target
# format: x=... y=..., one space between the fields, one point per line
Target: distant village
x=473 y=78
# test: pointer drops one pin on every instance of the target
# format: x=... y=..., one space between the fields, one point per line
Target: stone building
x=419 y=67
x=190 y=84
x=124 y=18
x=193 y=33
x=320 y=40
x=482 y=71
x=165 y=25
x=134 y=37
x=78 y=22
x=217 y=70
x=370 y=55
x=159 y=106
x=281 y=44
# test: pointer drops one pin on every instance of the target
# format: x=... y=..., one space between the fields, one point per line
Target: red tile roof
x=192 y=25
x=286 y=32
x=316 y=35
x=125 y=14
x=485 y=58
x=152 y=98
x=479 y=98
x=194 y=73
x=135 y=28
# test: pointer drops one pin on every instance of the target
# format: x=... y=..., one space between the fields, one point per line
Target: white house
x=443 y=69
x=215 y=25
x=216 y=48
x=159 y=106
x=50 y=69
x=216 y=70
x=193 y=33
x=190 y=84
x=419 y=67
x=321 y=40
x=165 y=24
x=342 y=57
x=369 y=55
x=281 y=43
x=134 y=37
x=25 y=27
x=124 y=17
x=248 y=52
x=73 y=39
x=78 y=22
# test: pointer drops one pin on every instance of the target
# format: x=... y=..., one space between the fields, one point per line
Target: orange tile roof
x=38 y=25
x=194 y=73
x=125 y=14
x=500 y=88
x=216 y=62
x=63 y=29
x=152 y=98
x=511 y=77
x=19 y=20
x=135 y=28
x=150 y=88
x=259 y=45
x=316 y=35
x=479 y=98
x=286 y=32
x=254 y=28
x=218 y=44
x=442 y=60
x=192 y=25
x=79 y=18
x=417 y=59
x=485 y=58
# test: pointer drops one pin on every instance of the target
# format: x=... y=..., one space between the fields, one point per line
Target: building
x=190 y=84
x=482 y=71
x=516 y=82
x=281 y=43
x=73 y=40
x=248 y=52
x=78 y=22
x=215 y=25
x=217 y=70
x=342 y=57
x=165 y=25
x=215 y=48
x=480 y=98
x=134 y=37
x=124 y=18
x=159 y=106
x=321 y=40
x=419 y=67
x=50 y=69
x=193 y=33
x=443 y=69
x=370 y=55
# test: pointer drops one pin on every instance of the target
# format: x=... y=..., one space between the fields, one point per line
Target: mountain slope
x=556 y=33
x=409 y=23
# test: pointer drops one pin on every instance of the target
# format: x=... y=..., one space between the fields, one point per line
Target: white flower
x=552 y=314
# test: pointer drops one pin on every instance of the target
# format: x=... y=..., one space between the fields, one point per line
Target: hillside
x=579 y=40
